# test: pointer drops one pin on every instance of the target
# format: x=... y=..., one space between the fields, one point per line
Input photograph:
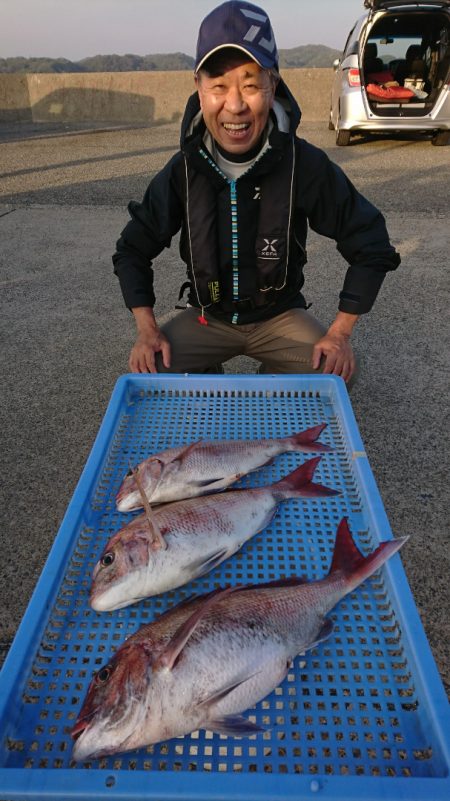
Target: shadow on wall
x=94 y=105
x=10 y=115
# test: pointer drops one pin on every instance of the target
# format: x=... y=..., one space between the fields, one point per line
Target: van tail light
x=353 y=77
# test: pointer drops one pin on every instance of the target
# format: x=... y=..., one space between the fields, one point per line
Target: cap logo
x=253 y=31
x=239 y=24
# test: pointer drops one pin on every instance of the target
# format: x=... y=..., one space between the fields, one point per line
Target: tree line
x=302 y=56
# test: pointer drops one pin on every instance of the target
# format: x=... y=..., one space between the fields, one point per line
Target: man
x=243 y=189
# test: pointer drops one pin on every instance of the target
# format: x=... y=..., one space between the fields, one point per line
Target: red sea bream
x=204 y=467
x=203 y=663
x=199 y=533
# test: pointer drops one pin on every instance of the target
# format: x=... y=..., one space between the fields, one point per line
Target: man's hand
x=150 y=341
x=336 y=349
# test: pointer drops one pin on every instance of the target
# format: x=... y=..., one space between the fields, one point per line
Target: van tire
x=441 y=138
x=343 y=138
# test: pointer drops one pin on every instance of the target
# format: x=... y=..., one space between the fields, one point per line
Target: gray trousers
x=283 y=344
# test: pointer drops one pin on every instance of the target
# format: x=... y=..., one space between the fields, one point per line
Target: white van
x=394 y=73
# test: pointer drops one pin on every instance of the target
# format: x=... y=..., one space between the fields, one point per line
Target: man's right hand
x=150 y=341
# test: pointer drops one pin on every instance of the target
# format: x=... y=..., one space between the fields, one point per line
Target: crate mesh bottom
x=348 y=708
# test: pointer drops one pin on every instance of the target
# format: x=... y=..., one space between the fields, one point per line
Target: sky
x=75 y=29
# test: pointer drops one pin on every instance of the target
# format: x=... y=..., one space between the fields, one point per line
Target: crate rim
x=216 y=786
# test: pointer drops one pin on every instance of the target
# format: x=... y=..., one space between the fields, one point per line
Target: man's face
x=236 y=105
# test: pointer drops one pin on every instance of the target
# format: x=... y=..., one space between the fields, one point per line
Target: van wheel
x=343 y=138
x=441 y=138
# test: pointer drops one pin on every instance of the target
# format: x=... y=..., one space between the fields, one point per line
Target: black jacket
x=321 y=197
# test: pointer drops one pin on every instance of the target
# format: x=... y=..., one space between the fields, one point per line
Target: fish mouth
x=127 y=501
x=81 y=724
x=78 y=729
x=112 y=598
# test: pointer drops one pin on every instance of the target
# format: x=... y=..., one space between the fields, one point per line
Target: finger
x=339 y=366
x=351 y=371
x=165 y=353
x=133 y=363
x=349 y=366
x=148 y=361
x=316 y=357
x=346 y=373
x=330 y=362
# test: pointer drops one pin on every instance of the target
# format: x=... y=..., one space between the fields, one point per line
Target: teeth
x=236 y=126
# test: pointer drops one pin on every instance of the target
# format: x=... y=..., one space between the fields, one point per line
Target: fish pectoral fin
x=168 y=657
x=325 y=631
x=204 y=565
x=219 y=484
x=234 y=725
x=219 y=695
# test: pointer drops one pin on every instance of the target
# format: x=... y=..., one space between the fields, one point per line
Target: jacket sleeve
x=335 y=209
x=151 y=228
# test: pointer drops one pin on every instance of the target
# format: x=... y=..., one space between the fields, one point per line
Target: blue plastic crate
x=366 y=717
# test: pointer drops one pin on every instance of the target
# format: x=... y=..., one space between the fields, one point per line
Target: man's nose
x=234 y=101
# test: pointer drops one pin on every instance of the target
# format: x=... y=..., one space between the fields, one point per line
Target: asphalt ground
x=66 y=335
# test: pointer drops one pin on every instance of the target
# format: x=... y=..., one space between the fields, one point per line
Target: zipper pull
x=202 y=319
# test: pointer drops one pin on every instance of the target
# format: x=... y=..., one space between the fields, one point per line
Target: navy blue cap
x=241 y=25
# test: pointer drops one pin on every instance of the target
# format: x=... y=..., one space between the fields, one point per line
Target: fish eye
x=130 y=473
x=107 y=559
x=103 y=675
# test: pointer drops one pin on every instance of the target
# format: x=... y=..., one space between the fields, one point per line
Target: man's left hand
x=335 y=347
x=338 y=354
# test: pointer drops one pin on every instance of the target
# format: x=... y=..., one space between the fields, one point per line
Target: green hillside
x=302 y=56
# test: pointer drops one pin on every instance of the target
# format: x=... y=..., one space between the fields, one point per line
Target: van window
x=393 y=48
x=351 y=45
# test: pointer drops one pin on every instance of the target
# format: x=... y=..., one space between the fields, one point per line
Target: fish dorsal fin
x=167 y=659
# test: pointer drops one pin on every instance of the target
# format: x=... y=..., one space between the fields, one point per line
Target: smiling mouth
x=236 y=128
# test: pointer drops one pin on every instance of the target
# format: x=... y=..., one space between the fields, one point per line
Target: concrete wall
x=15 y=105
x=131 y=97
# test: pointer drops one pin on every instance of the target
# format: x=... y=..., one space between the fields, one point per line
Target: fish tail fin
x=299 y=483
x=348 y=560
x=306 y=440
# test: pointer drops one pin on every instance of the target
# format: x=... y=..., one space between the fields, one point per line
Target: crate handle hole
x=110 y=781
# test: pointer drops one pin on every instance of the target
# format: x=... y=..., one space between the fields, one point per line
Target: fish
x=204 y=662
x=206 y=466
x=198 y=534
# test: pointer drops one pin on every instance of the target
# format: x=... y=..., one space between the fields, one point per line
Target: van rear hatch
x=379 y=5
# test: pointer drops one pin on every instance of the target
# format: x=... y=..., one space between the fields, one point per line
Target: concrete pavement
x=66 y=335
